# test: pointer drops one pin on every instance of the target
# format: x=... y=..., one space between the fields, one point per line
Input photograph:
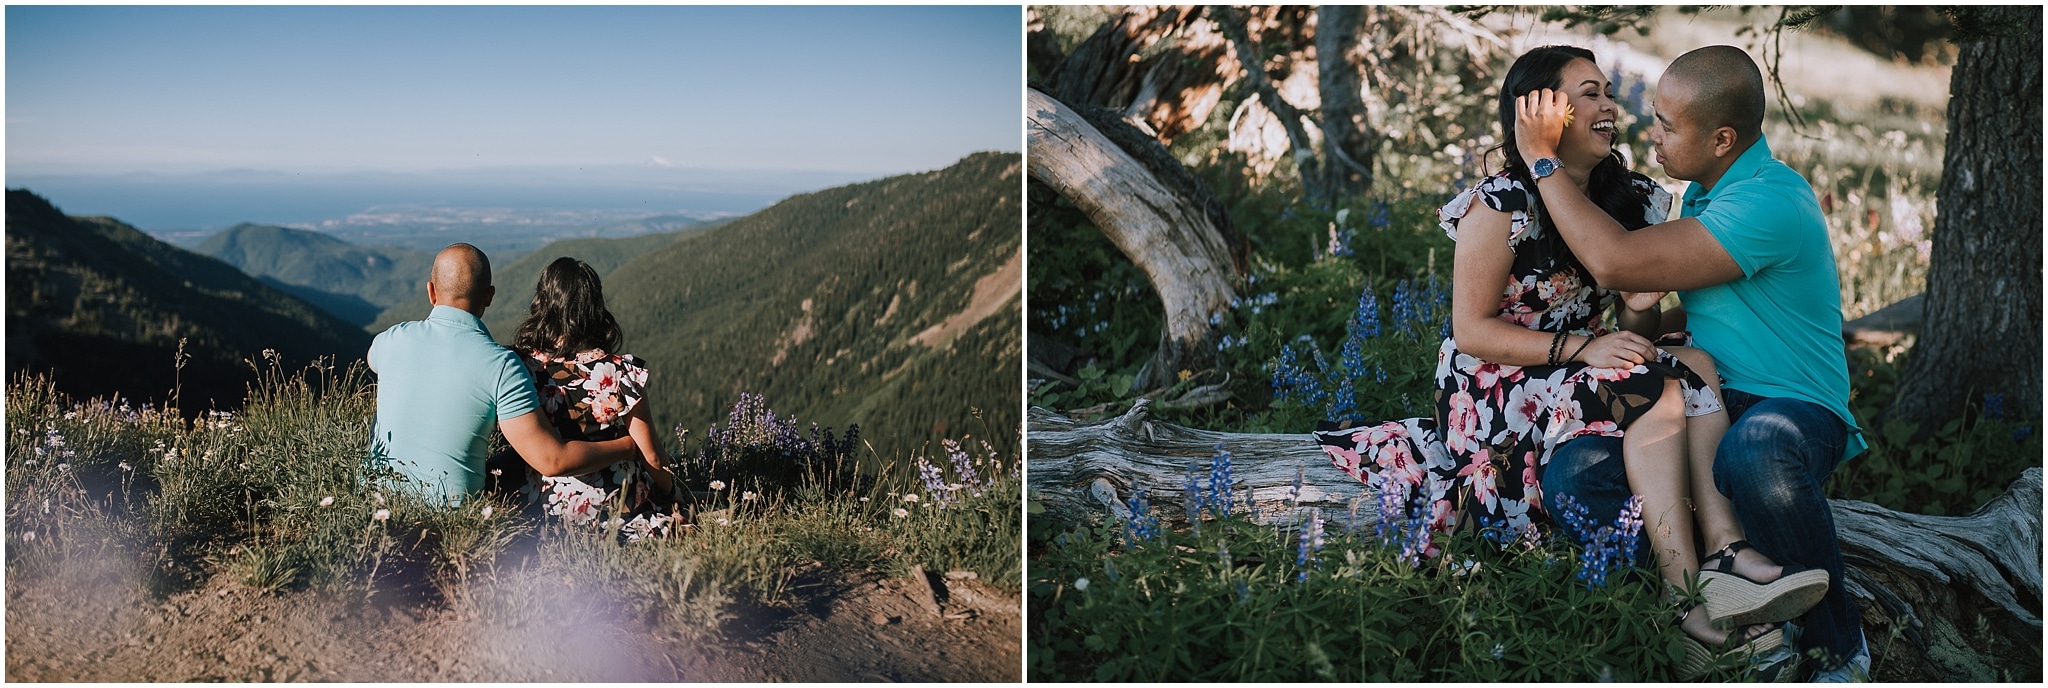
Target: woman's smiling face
x=1590 y=137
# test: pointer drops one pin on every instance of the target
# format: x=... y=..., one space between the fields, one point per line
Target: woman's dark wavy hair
x=1609 y=184
x=568 y=315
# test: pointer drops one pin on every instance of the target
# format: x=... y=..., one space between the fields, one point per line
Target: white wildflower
x=863 y=499
x=717 y=485
x=63 y=467
x=497 y=471
x=901 y=512
x=912 y=497
x=124 y=466
x=488 y=510
x=723 y=522
x=326 y=501
x=29 y=536
x=1080 y=584
x=381 y=515
x=748 y=497
x=379 y=496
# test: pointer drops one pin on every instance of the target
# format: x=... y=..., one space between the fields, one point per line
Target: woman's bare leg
x=1713 y=512
x=1654 y=451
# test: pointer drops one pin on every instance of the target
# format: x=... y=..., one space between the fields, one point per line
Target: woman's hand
x=1540 y=118
x=1641 y=301
x=1618 y=350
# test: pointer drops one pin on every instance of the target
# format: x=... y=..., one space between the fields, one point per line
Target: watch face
x=1544 y=166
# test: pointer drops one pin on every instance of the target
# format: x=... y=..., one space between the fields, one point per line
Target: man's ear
x=1724 y=141
x=431 y=300
x=483 y=299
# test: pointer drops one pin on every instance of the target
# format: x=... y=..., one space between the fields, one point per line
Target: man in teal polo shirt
x=1751 y=259
x=442 y=382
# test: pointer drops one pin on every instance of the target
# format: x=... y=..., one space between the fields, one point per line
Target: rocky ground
x=839 y=626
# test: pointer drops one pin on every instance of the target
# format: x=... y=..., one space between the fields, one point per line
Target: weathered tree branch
x=1178 y=241
x=1233 y=25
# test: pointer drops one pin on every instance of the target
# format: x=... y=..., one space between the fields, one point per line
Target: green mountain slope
x=892 y=303
x=354 y=282
x=515 y=280
x=101 y=307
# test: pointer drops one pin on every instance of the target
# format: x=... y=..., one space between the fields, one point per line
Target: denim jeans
x=1772 y=464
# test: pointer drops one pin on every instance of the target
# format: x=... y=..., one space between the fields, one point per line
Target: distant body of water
x=185 y=204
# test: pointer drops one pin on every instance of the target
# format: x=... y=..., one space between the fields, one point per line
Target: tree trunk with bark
x=1340 y=76
x=1172 y=90
x=1945 y=598
x=1157 y=213
x=1983 y=307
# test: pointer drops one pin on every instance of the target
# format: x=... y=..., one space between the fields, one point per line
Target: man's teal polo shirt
x=441 y=385
x=1777 y=332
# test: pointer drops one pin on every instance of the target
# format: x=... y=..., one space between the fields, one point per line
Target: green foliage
x=1948 y=471
x=1228 y=603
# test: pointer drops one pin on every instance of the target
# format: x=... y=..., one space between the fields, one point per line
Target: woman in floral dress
x=1530 y=365
x=591 y=393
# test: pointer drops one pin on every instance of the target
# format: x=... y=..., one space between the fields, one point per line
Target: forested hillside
x=892 y=303
x=353 y=282
x=515 y=279
x=100 y=306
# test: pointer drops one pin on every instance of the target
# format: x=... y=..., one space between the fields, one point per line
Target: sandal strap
x=1724 y=558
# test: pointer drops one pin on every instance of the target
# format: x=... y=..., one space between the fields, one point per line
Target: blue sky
x=113 y=90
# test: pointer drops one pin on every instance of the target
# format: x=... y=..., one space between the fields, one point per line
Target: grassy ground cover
x=279 y=497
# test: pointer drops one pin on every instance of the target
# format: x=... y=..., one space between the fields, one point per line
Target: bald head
x=461 y=278
x=1719 y=86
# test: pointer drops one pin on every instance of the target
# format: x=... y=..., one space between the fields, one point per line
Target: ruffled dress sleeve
x=1500 y=192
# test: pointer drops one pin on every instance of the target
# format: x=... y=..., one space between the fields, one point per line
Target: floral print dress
x=1496 y=425
x=587 y=398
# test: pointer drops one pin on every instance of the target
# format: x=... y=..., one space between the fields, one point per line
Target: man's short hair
x=1727 y=89
x=461 y=271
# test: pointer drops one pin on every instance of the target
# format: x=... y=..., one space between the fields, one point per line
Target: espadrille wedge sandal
x=1734 y=600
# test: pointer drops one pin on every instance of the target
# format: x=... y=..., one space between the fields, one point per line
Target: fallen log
x=1945 y=598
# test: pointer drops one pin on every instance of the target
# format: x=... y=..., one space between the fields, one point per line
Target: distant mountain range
x=892 y=303
x=101 y=307
x=352 y=282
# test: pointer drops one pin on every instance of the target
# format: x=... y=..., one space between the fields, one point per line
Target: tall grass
x=282 y=496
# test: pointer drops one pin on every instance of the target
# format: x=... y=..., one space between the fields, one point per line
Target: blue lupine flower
x=1994 y=405
x=1220 y=491
x=1223 y=555
x=1607 y=547
x=1294 y=491
x=963 y=465
x=1244 y=592
x=2023 y=433
x=1310 y=543
x=1142 y=525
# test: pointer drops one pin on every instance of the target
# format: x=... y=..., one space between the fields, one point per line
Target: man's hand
x=534 y=438
x=1540 y=118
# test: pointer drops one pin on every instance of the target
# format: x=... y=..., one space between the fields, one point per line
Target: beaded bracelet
x=1582 y=349
x=1556 y=347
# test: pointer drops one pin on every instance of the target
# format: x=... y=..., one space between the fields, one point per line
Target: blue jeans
x=1772 y=464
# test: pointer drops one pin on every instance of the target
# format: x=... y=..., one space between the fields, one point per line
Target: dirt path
x=843 y=626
